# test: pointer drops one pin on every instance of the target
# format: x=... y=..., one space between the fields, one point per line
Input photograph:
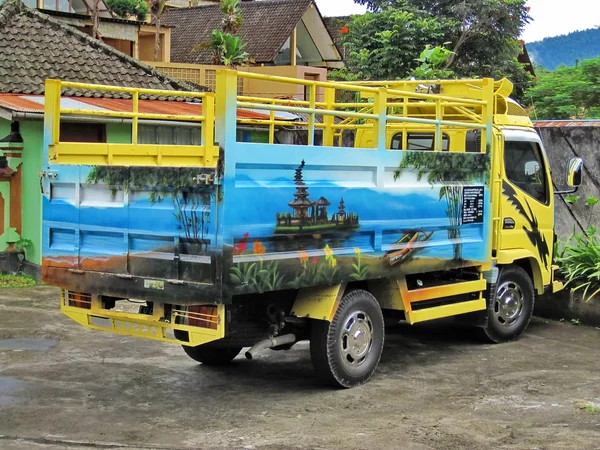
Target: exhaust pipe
x=270 y=343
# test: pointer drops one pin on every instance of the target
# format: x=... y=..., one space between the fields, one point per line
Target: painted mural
x=434 y=218
x=277 y=225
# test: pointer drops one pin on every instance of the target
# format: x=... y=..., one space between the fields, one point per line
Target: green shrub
x=579 y=256
x=124 y=9
x=579 y=261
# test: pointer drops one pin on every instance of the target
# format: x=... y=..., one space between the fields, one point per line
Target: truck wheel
x=510 y=312
x=346 y=351
x=212 y=356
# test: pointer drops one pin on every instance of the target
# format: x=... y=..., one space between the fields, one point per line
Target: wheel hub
x=357 y=338
x=509 y=303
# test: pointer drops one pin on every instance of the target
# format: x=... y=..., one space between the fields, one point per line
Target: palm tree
x=228 y=48
x=157 y=8
x=452 y=171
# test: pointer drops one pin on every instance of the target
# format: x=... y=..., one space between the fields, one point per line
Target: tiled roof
x=35 y=47
x=267 y=25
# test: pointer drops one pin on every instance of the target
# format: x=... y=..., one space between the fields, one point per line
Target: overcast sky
x=552 y=17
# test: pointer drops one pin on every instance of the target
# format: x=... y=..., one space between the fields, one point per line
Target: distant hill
x=552 y=52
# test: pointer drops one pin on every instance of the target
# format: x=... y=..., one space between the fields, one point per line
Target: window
x=169 y=135
x=419 y=141
x=82 y=132
x=58 y=5
x=307 y=52
x=524 y=167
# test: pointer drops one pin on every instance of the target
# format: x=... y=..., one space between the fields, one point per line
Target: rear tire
x=510 y=313
x=212 y=356
x=346 y=351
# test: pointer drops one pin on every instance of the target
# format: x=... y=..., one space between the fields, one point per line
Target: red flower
x=241 y=246
x=344 y=30
x=315 y=260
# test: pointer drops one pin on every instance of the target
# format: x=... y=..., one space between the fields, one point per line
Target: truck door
x=527 y=206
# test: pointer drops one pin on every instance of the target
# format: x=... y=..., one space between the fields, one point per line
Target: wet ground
x=437 y=387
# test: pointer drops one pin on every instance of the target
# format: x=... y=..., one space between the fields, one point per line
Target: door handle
x=509 y=224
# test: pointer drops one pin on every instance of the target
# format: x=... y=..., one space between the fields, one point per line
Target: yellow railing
x=381 y=106
x=132 y=153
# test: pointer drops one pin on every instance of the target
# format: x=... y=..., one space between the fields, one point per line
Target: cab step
x=411 y=299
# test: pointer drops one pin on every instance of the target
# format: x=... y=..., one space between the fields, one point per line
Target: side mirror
x=575 y=172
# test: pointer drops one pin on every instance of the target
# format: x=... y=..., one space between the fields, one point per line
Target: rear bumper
x=206 y=325
x=127 y=286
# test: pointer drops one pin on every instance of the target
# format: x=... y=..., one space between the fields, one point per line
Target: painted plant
x=191 y=202
x=451 y=171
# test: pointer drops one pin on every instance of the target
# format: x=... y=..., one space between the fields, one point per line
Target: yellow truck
x=443 y=207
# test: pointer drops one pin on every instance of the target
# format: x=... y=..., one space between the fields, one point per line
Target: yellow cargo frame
x=380 y=107
x=133 y=154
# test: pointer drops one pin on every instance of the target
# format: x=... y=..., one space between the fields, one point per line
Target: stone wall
x=563 y=143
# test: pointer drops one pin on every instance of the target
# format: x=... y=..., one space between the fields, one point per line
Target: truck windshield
x=524 y=167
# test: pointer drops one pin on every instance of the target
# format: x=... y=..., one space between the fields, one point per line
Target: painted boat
x=409 y=239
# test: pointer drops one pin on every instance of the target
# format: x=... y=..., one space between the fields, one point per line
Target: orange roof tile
x=35 y=104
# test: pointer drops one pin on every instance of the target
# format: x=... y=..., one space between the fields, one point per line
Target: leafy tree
x=383 y=45
x=450 y=171
x=568 y=92
x=482 y=35
x=229 y=49
x=432 y=62
x=232 y=16
x=124 y=9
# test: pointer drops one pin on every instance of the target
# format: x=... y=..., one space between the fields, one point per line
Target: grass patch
x=12 y=281
x=582 y=405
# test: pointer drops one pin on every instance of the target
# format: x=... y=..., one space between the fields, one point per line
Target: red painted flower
x=344 y=30
x=315 y=260
x=241 y=246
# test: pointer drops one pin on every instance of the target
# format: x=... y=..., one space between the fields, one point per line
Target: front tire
x=212 y=356
x=510 y=312
x=346 y=351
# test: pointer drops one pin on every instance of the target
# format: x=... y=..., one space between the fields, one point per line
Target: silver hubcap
x=357 y=338
x=509 y=303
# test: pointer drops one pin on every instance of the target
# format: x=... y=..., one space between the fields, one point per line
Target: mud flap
x=318 y=302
